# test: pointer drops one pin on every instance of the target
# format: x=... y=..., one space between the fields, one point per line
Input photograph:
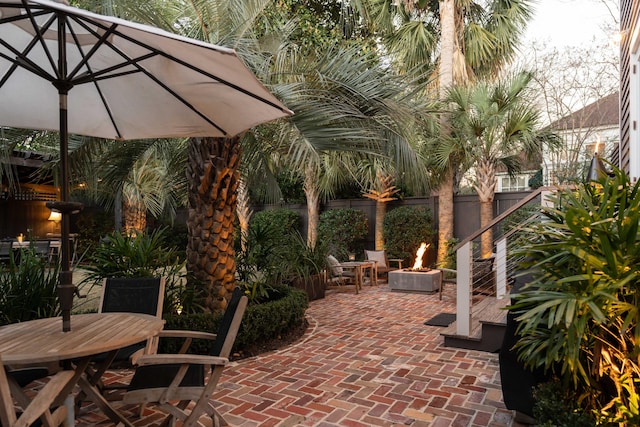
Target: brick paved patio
x=366 y=360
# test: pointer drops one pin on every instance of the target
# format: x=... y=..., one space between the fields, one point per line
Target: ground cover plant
x=580 y=318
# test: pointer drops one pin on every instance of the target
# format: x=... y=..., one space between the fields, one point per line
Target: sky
x=569 y=22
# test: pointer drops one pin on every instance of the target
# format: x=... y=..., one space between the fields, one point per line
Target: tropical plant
x=28 y=288
x=138 y=177
x=383 y=192
x=466 y=39
x=493 y=125
x=579 y=317
x=140 y=255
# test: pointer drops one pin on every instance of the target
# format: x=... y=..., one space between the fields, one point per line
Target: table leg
x=94 y=395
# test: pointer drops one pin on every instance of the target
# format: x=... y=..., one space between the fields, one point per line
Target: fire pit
x=417 y=278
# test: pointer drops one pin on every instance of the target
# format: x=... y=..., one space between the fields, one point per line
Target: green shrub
x=557 y=406
x=343 y=231
x=28 y=289
x=283 y=221
x=404 y=228
x=92 y=225
x=266 y=320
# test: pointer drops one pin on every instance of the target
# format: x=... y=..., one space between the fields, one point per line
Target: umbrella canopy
x=72 y=71
x=125 y=80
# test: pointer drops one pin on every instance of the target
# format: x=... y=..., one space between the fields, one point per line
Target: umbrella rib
x=22 y=59
x=135 y=63
x=81 y=19
x=40 y=38
x=85 y=62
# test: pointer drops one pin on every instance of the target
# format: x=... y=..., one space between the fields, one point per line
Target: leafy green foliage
x=536 y=180
x=282 y=311
x=343 y=231
x=557 y=406
x=405 y=228
x=143 y=255
x=580 y=317
x=300 y=260
x=28 y=288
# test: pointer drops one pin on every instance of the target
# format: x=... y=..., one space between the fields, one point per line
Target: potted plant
x=578 y=317
x=302 y=267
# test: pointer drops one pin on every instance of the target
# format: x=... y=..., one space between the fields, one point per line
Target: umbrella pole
x=65 y=284
x=66 y=288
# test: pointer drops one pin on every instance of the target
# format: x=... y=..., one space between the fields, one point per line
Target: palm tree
x=494 y=124
x=147 y=175
x=349 y=108
x=475 y=40
x=343 y=110
x=382 y=192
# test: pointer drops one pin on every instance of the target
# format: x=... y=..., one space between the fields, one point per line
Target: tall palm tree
x=494 y=124
x=473 y=39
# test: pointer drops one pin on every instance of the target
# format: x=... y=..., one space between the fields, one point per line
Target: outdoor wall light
x=55 y=216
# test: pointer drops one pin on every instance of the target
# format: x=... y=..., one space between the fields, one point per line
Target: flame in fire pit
x=417 y=265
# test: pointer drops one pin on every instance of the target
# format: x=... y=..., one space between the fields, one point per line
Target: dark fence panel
x=466 y=210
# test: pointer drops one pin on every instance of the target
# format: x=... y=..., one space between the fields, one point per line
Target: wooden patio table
x=359 y=268
x=42 y=341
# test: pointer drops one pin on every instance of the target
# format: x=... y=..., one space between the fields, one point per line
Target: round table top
x=42 y=340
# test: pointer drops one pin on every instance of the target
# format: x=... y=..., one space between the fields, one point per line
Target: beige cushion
x=334 y=265
x=378 y=256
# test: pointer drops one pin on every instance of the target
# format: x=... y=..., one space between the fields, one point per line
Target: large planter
x=315 y=286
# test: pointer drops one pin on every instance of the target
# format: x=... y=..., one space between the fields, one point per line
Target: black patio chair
x=144 y=295
x=164 y=379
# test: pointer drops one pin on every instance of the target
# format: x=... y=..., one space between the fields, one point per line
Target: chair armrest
x=191 y=359
x=398 y=260
x=188 y=337
x=179 y=333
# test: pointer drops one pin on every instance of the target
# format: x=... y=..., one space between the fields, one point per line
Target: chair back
x=5 y=250
x=144 y=295
x=335 y=270
x=230 y=324
x=379 y=256
x=42 y=248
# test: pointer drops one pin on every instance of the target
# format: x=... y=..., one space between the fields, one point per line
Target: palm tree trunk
x=445 y=191
x=244 y=212
x=381 y=210
x=135 y=216
x=213 y=175
x=312 y=194
x=486 y=187
x=445 y=216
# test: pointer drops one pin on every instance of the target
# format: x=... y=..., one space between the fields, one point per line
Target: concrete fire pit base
x=415 y=281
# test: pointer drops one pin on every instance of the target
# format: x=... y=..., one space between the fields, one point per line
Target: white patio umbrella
x=72 y=71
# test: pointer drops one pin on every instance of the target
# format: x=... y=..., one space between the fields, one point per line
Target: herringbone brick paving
x=365 y=360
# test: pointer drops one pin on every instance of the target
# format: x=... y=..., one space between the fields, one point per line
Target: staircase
x=488 y=323
x=481 y=317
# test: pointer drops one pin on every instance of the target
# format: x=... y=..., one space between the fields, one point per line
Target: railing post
x=501 y=267
x=464 y=260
